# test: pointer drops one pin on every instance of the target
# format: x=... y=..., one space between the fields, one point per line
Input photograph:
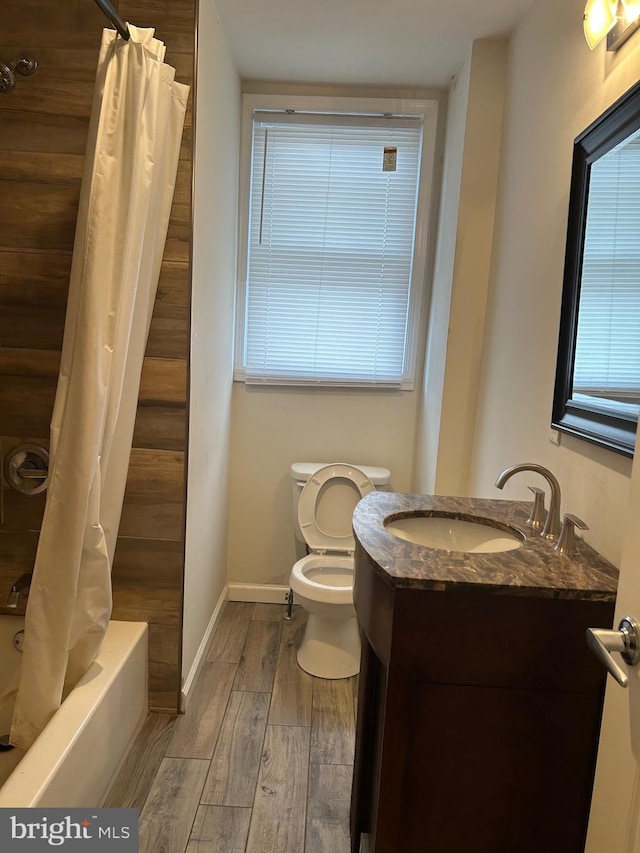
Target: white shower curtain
x=127 y=189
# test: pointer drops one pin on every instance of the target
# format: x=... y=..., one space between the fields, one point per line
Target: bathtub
x=75 y=759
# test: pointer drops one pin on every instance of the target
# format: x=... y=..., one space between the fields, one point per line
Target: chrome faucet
x=551 y=529
x=19 y=591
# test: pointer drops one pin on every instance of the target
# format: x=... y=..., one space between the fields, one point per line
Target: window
x=330 y=274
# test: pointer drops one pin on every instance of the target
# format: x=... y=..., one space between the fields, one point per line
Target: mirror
x=597 y=389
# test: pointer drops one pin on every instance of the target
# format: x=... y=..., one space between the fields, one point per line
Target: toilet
x=324 y=497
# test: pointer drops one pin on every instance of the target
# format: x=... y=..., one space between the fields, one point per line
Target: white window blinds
x=330 y=248
x=607 y=362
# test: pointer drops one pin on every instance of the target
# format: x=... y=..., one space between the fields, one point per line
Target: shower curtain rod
x=115 y=18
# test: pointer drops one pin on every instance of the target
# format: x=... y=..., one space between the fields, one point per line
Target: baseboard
x=262 y=593
x=201 y=654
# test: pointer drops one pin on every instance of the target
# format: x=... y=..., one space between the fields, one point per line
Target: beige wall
x=556 y=88
x=274 y=427
x=214 y=254
x=474 y=236
x=431 y=402
x=461 y=276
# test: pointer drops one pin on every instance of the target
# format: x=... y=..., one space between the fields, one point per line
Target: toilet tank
x=301 y=471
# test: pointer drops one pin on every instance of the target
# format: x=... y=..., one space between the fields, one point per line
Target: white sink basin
x=453 y=534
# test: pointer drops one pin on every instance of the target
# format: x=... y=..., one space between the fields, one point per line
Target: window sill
x=302 y=382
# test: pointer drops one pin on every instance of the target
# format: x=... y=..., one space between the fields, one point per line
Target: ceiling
x=360 y=42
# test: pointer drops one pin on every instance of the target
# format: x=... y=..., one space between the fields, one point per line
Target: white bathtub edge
x=94 y=726
x=125 y=754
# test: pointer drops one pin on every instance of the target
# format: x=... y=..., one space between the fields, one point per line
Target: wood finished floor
x=262 y=760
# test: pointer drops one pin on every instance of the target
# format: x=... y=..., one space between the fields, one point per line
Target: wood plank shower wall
x=43 y=130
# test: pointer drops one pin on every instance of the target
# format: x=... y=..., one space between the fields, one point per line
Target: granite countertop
x=535 y=569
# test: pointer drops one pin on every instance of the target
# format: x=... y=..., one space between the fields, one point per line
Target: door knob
x=626 y=641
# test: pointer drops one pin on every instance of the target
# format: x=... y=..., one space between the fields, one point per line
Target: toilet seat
x=319 y=540
x=309 y=587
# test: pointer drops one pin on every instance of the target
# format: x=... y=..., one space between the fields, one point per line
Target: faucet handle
x=19 y=590
x=567 y=542
x=537 y=516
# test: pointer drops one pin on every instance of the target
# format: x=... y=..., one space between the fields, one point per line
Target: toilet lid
x=316 y=538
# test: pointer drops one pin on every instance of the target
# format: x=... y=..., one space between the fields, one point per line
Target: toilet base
x=330 y=648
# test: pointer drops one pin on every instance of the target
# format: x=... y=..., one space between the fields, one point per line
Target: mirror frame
x=613 y=430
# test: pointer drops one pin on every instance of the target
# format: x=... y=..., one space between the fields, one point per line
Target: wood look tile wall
x=43 y=131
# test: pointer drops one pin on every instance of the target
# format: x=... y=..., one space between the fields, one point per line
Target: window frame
x=427 y=110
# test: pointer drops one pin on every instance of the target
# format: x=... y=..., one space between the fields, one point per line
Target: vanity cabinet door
x=496 y=771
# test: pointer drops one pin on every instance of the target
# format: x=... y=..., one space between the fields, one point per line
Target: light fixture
x=615 y=19
x=599 y=18
x=627 y=22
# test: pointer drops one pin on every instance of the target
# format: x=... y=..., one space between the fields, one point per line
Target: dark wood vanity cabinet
x=478 y=719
